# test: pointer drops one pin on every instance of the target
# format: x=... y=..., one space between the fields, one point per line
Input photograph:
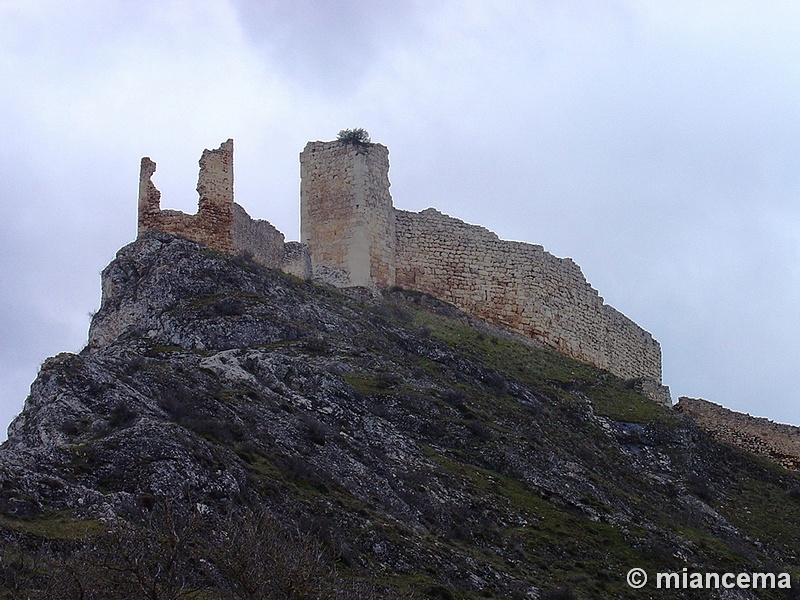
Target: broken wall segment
x=778 y=442
x=296 y=260
x=219 y=223
x=257 y=238
x=212 y=226
x=149 y=199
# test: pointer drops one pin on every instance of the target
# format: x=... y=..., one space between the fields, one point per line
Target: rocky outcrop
x=413 y=447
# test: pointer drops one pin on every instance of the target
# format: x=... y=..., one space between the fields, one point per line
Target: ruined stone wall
x=212 y=226
x=219 y=222
x=520 y=287
x=353 y=236
x=296 y=260
x=776 y=441
x=347 y=219
x=257 y=238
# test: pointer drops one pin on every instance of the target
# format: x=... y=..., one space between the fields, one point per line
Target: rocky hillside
x=233 y=432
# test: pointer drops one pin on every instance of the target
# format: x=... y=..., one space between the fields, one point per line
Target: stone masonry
x=211 y=225
x=356 y=237
x=346 y=214
x=352 y=236
x=522 y=288
x=219 y=223
x=775 y=441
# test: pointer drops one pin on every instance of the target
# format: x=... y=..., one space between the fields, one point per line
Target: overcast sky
x=655 y=142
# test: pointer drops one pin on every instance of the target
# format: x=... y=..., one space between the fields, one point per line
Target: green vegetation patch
x=546 y=371
x=557 y=544
x=53 y=526
x=753 y=511
x=156 y=350
x=373 y=384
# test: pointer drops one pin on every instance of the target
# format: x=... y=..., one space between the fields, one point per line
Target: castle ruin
x=219 y=223
x=352 y=236
x=211 y=226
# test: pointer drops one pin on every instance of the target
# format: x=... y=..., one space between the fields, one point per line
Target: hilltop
x=232 y=431
x=351 y=235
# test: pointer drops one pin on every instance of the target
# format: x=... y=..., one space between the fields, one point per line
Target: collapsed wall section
x=219 y=223
x=213 y=224
x=265 y=244
x=347 y=218
x=523 y=288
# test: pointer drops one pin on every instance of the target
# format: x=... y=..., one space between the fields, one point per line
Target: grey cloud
x=327 y=47
x=660 y=153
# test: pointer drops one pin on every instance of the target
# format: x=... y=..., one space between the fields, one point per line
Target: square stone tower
x=346 y=214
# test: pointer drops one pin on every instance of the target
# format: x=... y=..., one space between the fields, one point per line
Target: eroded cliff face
x=170 y=291
x=429 y=452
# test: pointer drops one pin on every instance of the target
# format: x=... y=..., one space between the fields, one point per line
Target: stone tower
x=346 y=213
